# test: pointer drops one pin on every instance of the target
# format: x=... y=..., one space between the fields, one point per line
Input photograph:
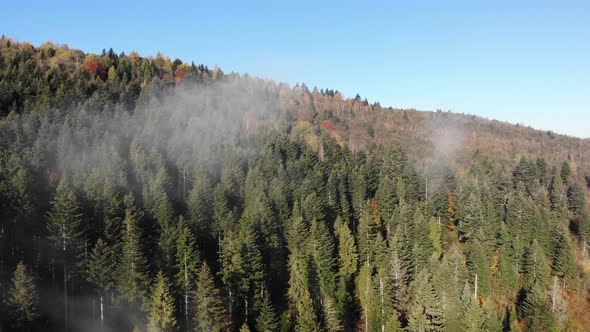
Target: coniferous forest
x=145 y=194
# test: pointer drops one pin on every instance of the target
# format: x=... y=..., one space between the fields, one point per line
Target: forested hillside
x=144 y=194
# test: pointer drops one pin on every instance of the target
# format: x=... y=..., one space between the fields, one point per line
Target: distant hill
x=53 y=75
x=148 y=194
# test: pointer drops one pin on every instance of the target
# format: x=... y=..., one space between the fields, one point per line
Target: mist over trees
x=146 y=194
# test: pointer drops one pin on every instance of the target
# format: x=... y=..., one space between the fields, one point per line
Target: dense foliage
x=146 y=194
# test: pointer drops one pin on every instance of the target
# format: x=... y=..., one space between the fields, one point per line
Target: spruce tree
x=267 y=319
x=187 y=267
x=473 y=315
x=565 y=172
x=209 y=310
x=23 y=299
x=536 y=311
x=425 y=311
x=562 y=255
x=133 y=274
x=535 y=270
x=99 y=272
x=65 y=230
x=161 y=313
x=347 y=251
x=471 y=222
x=576 y=200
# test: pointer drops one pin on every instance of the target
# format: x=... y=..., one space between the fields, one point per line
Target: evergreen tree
x=209 y=310
x=99 y=272
x=471 y=222
x=534 y=268
x=449 y=279
x=536 y=311
x=479 y=266
x=347 y=251
x=64 y=224
x=133 y=274
x=66 y=233
x=576 y=200
x=398 y=273
x=299 y=294
x=386 y=199
x=562 y=255
x=557 y=196
x=565 y=172
x=473 y=315
x=347 y=268
x=187 y=267
x=161 y=314
x=425 y=312
x=23 y=299
x=267 y=320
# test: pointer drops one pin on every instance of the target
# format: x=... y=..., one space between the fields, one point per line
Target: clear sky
x=517 y=61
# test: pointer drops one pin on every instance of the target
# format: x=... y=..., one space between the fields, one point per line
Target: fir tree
x=161 y=313
x=23 y=299
x=534 y=268
x=133 y=274
x=66 y=233
x=562 y=255
x=425 y=312
x=209 y=310
x=576 y=200
x=267 y=319
x=187 y=267
x=99 y=272
x=471 y=222
x=536 y=311
x=473 y=315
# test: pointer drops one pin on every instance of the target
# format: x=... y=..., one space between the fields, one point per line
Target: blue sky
x=517 y=61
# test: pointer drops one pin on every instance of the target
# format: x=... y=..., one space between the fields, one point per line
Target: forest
x=145 y=194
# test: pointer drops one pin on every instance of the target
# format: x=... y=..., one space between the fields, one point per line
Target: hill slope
x=57 y=76
x=146 y=194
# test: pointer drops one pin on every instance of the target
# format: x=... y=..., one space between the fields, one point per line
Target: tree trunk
x=101 y=313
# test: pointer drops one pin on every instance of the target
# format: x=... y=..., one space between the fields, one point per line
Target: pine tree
x=161 y=314
x=209 y=310
x=23 y=299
